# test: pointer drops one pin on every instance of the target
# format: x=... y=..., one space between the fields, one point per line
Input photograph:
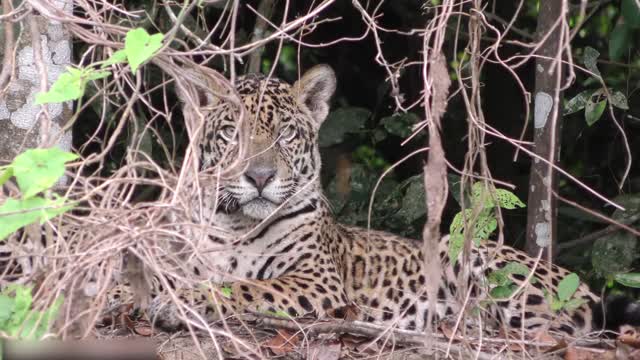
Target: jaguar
x=284 y=252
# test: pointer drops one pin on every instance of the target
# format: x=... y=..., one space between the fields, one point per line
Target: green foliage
x=226 y=292
x=631 y=13
x=593 y=111
x=564 y=300
x=16 y=213
x=501 y=279
x=620 y=40
x=35 y=171
x=17 y=317
x=485 y=222
x=70 y=85
x=614 y=255
x=400 y=124
x=628 y=279
x=341 y=122
x=139 y=46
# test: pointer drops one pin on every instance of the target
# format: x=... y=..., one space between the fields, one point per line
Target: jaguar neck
x=298 y=210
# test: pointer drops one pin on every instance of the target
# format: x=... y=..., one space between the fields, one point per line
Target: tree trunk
x=42 y=52
x=542 y=207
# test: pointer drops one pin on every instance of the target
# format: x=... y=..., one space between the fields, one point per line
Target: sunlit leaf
x=140 y=46
x=67 y=87
x=226 y=292
x=568 y=286
x=39 y=169
x=16 y=213
x=503 y=292
x=70 y=85
x=6 y=175
x=118 y=57
x=508 y=200
x=574 y=304
x=456 y=242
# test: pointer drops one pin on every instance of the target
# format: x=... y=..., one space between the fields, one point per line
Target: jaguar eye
x=287 y=134
x=228 y=132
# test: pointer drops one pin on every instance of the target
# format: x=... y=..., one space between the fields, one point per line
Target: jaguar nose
x=260 y=177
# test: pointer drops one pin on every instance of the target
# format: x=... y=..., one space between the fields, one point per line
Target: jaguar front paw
x=195 y=307
x=165 y=315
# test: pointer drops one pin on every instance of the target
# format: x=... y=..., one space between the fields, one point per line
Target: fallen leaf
x=143 y=330
x=282 y=343
x=324 y=350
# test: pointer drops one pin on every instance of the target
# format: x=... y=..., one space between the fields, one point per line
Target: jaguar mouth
x=259 y=208
x=260 y=201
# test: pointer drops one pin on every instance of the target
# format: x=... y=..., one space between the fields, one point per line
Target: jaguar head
x=282 y=162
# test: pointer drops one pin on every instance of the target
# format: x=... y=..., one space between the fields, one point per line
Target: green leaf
x=619 y=100
x=340 y=122
x=37 y=323
x=593 y=111
x=118 y=57
x=508 y=200
x=6 y=309
x=400 y=124
x=590 y=60
x=631 y=13
x=226 y=292
x=6 y=175
x=619 y=41
x=456 y=242
x=578 y=102
x=140 y=46
x=15 y=214
x=70 y=85
x=628 y=279
x=22 y=304
x=96 y=75
x=503 y=292
x=414 y=203
x=457 y=224
x=67 y=87
x=614 y=253
x=499 y=278
x=516 y=268
x=568 y=286
x=556 y=304
x=485 y=225
x=574 y=304
x=38 y=169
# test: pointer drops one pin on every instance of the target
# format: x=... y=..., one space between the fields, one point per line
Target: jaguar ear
x=314 y=90
x=197 y=87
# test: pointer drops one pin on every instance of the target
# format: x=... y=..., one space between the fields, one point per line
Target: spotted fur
x=289 y=254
